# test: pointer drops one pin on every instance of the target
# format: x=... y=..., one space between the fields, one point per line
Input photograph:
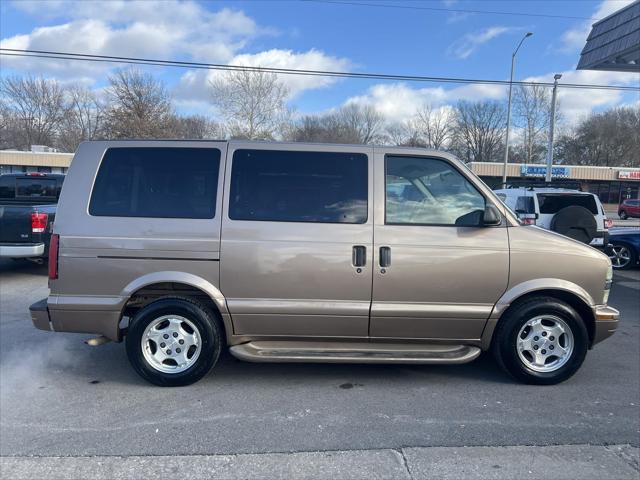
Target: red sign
x=629 y=174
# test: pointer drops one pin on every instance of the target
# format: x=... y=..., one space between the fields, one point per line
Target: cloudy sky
x=322 y=35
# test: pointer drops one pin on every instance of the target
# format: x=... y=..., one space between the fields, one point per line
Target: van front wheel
x=541 y=341
x=173 y=342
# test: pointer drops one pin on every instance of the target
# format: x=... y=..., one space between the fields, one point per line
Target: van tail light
x=529 y=221
x=608 y=223
x=39 y=222
x=54 y=246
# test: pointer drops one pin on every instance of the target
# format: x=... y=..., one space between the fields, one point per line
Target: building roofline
x=617 y=12
x=556 y=165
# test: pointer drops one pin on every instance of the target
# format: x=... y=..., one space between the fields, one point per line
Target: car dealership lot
x=59 y=396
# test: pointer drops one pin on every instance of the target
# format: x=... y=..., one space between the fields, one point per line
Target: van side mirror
x=491 y=216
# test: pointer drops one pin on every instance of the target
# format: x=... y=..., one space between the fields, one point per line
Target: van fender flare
x=185 y=278
x=521 y=289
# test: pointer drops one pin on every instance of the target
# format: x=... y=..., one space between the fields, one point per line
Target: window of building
x=428 y=191
x=157 y=183
x=297 y=186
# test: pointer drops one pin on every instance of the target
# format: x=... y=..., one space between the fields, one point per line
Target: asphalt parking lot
x=59 y=396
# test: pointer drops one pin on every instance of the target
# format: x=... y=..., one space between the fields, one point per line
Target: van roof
x=543 y=190
x=270 y=142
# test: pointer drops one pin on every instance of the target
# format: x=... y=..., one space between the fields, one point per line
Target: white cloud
x=574 y=39
x=400 y=101
x=575 y=104
x=469 y=43
x=194 y=84
x=163 y=30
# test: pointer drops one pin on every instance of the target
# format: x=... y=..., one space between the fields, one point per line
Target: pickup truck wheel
x=542 y=341
x=623 y=215
x=173 y=342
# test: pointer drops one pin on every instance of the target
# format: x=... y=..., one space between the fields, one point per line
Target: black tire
x=505 y=338
x=208 y=327
x=575 y=222
x=623 y=215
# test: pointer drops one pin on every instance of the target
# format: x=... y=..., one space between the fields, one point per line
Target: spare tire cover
x=575 y=222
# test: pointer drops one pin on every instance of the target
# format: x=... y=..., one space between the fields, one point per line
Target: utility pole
x=506 y=141
x=552 y=122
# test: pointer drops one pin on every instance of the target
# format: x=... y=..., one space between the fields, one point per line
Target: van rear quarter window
x=157 y=182
x=298 y=186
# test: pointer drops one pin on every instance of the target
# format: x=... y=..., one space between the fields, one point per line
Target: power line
x=453 y=10
x=286 y=71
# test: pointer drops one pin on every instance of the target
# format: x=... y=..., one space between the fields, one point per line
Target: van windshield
x=554 y=202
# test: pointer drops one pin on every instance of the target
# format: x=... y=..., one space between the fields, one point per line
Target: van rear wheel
x=541 y=341
x=174 y=342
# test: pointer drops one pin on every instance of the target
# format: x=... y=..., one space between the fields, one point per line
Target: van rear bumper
x=607 y=319
x=99 y=322
x=21 y=250
x=40 y=315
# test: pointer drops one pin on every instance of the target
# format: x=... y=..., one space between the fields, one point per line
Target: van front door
x=296 y=256
x=437 y=271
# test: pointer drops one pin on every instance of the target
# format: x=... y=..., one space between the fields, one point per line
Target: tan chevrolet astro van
x=312 y=253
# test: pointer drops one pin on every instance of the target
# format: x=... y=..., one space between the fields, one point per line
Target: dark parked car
x=629 y=208
x=624 y=250
x=28 y=204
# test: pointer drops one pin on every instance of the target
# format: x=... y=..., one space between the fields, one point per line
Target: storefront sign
x=541 y=171
x=629 y=174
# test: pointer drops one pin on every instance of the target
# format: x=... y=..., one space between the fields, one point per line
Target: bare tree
x=83 y=119
x=532 y=108
x=37 y=107
x=435 y=126
x=351 y=123
x=7 y=127
x=197 y=127
x=479 y=130
x=363 y=122
x=252 y=102
x=404 y=134
x=610 y=139
x=140 y=106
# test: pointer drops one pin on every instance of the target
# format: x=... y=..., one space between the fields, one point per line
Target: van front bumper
x=21 y=250
x=607 y=319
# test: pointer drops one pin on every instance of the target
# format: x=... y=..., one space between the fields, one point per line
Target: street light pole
x=506 y=141
x=552 y=122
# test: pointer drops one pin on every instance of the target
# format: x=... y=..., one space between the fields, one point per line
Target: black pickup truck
x=28 y=204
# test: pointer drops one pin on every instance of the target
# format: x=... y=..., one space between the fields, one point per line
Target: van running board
x=345 y=352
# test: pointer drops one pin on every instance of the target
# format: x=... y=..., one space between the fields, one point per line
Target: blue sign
x=541 y=171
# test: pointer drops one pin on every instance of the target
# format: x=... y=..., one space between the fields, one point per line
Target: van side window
x=428 y=191
x=296 y=186
x=157 y=183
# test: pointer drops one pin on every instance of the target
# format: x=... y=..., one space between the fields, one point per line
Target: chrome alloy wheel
x=171 y=344
x=545 y=343
x=620 y=256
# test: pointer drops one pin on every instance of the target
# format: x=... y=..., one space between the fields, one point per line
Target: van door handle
x=385 y=256
x=359 y=256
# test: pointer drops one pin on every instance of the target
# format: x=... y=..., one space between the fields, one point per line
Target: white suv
x=573 y=213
